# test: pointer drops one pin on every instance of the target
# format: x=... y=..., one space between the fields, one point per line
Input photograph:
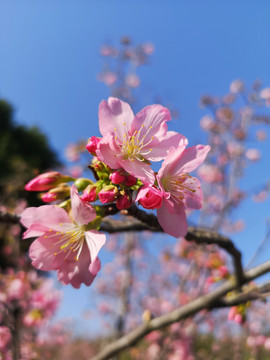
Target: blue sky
x=49 y=61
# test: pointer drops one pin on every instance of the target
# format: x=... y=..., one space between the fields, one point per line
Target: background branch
x=204 y=302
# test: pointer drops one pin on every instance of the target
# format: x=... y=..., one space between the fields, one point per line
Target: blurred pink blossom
x=261 y=135
x=210 y=173
x=5 y=337
x=207 y=122
x=148 y=48
x=253 y=154
x=237 y=86
x=108 y=77
x=132 y=80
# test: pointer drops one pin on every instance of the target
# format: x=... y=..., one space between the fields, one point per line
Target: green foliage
x=23 y=151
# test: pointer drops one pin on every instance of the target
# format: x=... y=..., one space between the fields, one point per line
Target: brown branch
x=204 y=236
x=252 y=293
x=8 y=218
x=149 y=222
x=204 y=302
x=199 y=235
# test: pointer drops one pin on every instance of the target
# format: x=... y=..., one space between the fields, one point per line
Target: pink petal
x=95 y=266
x=193 y=200
x=44 y=218
x=82 y=212
x=172 y=139
x=140 y=170
x=108 y=153
x=114 y=113
x=77 y=272
x=42 y=254
x=95 y=240
x=173 y=223
x=32 y=233
x=190 y=158
x=152 y=116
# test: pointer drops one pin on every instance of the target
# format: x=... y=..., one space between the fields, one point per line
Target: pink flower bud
x=48 y=197
x=107 y=194
x=90 y=193
x=58 y=193
x=46 y=181
x=130 y=180
x=92 y=145
x=123 y=202
x=117 y=177
x=149 y=197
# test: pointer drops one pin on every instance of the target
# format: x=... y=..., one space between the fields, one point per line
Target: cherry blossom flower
x=132 y=142
x=63 y=245
x=180 y=190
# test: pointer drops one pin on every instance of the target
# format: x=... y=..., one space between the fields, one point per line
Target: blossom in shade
x=62 y=244
x=132 y=142
x=180 y=190
x=5 y=337
x=123 y=201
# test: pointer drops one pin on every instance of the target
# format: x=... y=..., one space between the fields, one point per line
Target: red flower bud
x=149 y=197
x=107 y=194
x=46 y=181
x=117 y=177
x=130 y=180
x=123 y=202
x=92 y=145
x=90 y=193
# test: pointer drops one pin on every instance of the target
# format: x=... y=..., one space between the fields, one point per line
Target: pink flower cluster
x=70 y=242
x=31 y=299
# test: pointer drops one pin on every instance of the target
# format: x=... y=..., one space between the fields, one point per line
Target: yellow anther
x=142 y=125
x=61 y=224
x=124 y=123
x=114 y=129
x=50 y=229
